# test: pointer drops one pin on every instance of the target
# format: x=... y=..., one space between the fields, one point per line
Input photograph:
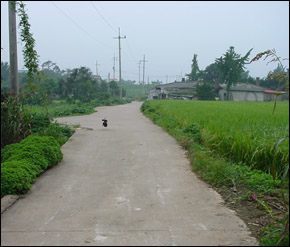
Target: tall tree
x=81 y=84
x=205 y=92
x=231 y=65
x=48 y=64
x=212 y=75
x=193 y=76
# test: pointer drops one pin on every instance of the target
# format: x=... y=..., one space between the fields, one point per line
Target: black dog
x=105 y=122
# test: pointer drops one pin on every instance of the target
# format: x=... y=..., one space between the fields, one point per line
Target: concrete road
x=127 y=184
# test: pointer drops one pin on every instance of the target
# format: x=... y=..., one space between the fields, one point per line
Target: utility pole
x=166 y=79
x=108 y=82
x=144 y=72
x=139 y=70
x=13 y=48
x=120 y=75
x=97 y=68
x=114 y=68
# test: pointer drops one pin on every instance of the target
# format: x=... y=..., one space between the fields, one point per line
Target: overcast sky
x=79 y=33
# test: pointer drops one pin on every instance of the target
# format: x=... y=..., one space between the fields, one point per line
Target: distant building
x=239 y=92
x=174 y=90
x=249 y=92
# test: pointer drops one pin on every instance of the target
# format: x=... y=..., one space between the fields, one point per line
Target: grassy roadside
x=253 y=194
x=60 y=108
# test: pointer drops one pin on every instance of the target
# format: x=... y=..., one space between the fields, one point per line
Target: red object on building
x=272 y=91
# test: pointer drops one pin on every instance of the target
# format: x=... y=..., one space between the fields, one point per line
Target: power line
x=131 y=51
x=79 y=26
x=113 y=29
x=103 y=18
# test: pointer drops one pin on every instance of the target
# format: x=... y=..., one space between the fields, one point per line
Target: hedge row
x=22 y=162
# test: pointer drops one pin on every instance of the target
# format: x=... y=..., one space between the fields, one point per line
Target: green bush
x=8 y=150
x=49 y=147
x=44 y=149
x=22 y=162
x=14 y=181
x=39 y=161
x=60 y=132
x=40 y=121
x=31 y=169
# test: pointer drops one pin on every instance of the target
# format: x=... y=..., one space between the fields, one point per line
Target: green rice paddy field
x=244 y=132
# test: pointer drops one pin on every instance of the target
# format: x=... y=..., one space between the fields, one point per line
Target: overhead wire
x=107 y=22
x=75 y=23
x=115 y=30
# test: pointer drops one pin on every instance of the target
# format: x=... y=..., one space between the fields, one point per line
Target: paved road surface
x=128 y=184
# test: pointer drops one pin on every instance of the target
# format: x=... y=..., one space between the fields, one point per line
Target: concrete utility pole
x=108 y=82
x=166 y=79
x=97 y=73
x=139 y=70
x=13 y=48
x=120 y=75
x=114 y=68
x=144 y=72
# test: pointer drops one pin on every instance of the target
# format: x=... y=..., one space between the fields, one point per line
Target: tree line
x=53 y=83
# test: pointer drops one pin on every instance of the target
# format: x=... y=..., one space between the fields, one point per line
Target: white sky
x=73 y=34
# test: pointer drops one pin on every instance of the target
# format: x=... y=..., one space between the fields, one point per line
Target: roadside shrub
x=8 y=150
x=39 y=121
x=69 y=100
x=45 y=145
x=14 y=181
x=31 y=169
x=60 y=132
x=37 y=159
x=15 y=119
x=22 y=162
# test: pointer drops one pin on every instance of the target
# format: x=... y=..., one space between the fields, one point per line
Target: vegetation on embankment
x=241 y=150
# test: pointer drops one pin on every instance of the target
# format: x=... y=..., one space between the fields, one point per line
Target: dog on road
x=105 y=122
